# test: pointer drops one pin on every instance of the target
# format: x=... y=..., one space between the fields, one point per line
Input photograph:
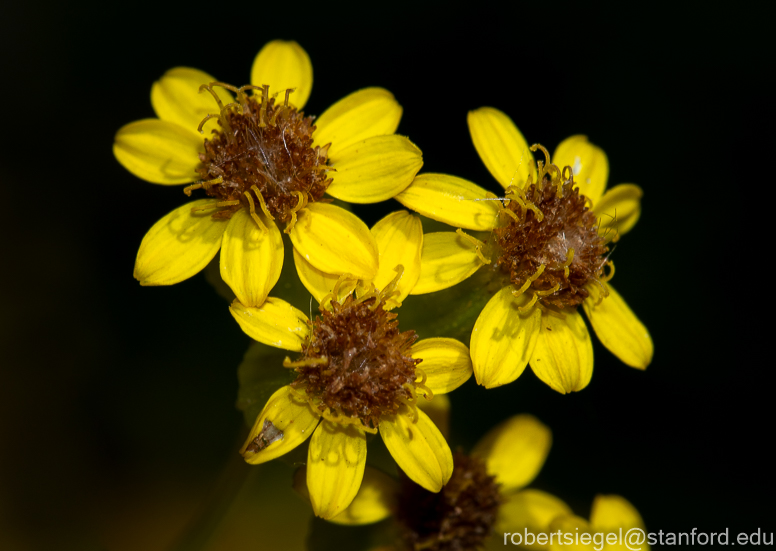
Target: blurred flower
x=265 y=163
x=547 y=251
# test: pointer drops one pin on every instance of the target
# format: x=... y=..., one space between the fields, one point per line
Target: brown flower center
x=459 y=517
x=550 y=244
x=357 y=366
x=261 y=157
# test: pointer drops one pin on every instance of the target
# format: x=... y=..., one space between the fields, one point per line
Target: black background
x=118 y=401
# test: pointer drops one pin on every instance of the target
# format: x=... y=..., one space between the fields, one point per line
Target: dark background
x=118 y=401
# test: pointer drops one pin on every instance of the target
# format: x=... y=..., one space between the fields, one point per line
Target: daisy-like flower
x=356 y=374
x=264 y=166
x=548 y=251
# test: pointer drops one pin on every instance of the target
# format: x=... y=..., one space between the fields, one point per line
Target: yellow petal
x=335 y=467
x=501 y=146
x=618 y=328
x=287 y=413
x=320 y=283
x=503 y=338
x=563 y=357
x=361 y=115
x=179 y=245
x=588 y=162
x=529 y=511
x=515 y=450
x=447 y=258
x=284 y=65
x=176 y=98
x=438 y=410
x=375 y=169
x=251 y=259
x=451 y=200
x=612 y=512
x=275 y=323
x=446 y=363
x=618 y=210
x=158 y=151
x=335 y=241
x=374 y=501
x=418 y=448
x=579 y=529
x=399 y=238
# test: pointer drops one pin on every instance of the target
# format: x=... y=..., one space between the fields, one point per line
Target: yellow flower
x=547 y=252
x=357 y=374
x=264 y=163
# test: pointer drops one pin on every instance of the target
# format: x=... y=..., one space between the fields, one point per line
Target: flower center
x=357 y=366
x=550 y=243
x=459 y=517
x=261 y=153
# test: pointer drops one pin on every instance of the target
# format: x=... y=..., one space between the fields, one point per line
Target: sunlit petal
x=501 y=146
x=284 y=65
x=356 y=117
x=287 y=413
x=503 y=338
x=563 y=356
x=251 y=258
x=158 y=151
x=179 y=245
x=275 y=323
x=335 y=466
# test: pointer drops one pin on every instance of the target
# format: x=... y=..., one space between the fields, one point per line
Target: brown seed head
x=459 y=517
x=357 y=366
x=263 y=142
x=550 y=243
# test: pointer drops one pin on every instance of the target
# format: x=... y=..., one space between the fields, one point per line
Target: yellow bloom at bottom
x=485 y=505
x=357 y=374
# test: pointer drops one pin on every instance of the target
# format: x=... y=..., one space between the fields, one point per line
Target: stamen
x=528 y=306
x=530 y=280
x=209 y=88
x=203 y=184
x=207 y=118
x=428 y=394
x=306 y=362
x=390 y=289
x=216 y=205
x=607 y=277
x=548 y=292
x=255 y=216
x=261 y=201
x=477 y=245
x=264 y=103
x=569 y=260
x=301 y=203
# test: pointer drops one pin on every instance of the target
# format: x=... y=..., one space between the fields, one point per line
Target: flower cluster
x=263 y=177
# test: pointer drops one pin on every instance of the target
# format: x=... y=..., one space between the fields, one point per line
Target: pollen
x=459 y=517
x=260 y=156
x=549 y=245
x=357 y=366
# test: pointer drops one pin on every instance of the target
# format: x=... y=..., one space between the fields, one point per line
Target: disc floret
x=261 y=157
x=549 y=244
x=458 y=518
x=358 y=366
